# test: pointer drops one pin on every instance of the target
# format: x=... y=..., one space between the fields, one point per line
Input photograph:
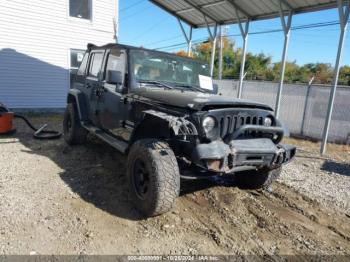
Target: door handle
x=99 y=90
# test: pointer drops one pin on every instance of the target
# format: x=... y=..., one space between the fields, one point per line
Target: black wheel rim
x=141 y=178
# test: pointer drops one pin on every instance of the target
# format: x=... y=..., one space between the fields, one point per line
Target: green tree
x=322 y=72
x=344 y=76
x=257 y=66
x=231 y=62
x=293 y=73
x=260 y=66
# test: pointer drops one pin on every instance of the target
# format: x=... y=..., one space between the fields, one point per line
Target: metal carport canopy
x=197 y=13
x=206 y=13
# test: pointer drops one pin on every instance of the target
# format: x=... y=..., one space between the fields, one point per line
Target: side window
x=95 y=64
x=82 y=68
x=116 y=61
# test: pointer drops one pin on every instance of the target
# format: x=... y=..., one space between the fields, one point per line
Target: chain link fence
x=303 y=107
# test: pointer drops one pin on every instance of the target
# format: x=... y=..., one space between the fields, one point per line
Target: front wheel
x=153 y=176
x=256 y=179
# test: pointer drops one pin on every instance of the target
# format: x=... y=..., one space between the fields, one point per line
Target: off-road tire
x=73 y=132
x=252 y=179
x=163 y=176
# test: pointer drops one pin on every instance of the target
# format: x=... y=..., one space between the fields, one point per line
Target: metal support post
x=213 y=38
x=343 y=17
x=187 y=37
x=189 y=44
x=212 y=59
x=286 y=29
x=244 y=32
x=306 y=103
x=221 y=51
x=244 y=55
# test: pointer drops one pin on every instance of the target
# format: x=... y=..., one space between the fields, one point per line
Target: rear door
x=113 y=105
x=93 y=83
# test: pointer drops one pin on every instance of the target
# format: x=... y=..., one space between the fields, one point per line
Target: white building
x=41 y=42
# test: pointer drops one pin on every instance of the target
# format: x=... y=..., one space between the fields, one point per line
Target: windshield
x=159 y=67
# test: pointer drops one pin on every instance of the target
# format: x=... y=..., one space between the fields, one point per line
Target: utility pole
x=223 y=33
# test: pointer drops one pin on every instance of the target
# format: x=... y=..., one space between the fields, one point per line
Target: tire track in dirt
x=282 y=220
x=222 y=229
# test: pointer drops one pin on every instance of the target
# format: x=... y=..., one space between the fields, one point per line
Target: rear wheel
x=153 y=175
x=73 y=132
x=262 y=178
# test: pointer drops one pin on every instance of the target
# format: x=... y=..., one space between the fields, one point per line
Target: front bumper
x=240 y=155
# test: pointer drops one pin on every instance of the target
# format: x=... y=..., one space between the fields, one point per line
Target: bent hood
x=195 y=100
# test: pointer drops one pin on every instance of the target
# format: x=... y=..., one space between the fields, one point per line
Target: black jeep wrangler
x=164 y=112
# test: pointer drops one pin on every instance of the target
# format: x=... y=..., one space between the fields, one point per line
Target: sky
x=143 y=24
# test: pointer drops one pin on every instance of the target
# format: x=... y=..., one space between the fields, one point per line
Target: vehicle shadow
x=192 y=186
x=95 y=172
x=337 y=168
x=99 y=178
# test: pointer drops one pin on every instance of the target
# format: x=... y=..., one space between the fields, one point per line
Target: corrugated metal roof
x=193 y=12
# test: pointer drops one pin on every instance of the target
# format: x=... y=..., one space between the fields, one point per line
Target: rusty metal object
x=6 y=119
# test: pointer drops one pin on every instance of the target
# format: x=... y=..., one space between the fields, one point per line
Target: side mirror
x=114 y=77
x=215 y=89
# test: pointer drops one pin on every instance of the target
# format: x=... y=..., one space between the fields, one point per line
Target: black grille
x=230 y=123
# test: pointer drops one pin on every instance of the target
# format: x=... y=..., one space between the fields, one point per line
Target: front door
x=112 y=103
x=93 y=83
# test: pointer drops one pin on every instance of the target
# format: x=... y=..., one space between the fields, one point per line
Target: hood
x=195 y=100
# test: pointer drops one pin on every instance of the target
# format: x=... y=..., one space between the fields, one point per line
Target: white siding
x=35 y=41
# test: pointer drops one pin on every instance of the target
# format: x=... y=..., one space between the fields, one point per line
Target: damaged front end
x=180 y=126
x=245 y=144
x=241 y=155
x=242 y=140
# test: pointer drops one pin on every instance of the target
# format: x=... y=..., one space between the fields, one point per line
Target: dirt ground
x=57 y=199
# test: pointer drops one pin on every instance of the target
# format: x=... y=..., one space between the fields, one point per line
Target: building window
x=80 y=9
x=76 y=58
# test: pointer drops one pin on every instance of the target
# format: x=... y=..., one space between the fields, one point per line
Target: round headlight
x=267 y=121
x=208 y=124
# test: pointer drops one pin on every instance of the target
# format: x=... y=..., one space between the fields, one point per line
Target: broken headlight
x=208 y=124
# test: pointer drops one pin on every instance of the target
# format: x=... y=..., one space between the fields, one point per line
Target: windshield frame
x=136 y=83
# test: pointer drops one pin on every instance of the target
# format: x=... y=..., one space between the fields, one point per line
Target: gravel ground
x=326 y=179
x=57 y=199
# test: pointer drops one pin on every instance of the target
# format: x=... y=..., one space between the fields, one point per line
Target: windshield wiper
x=193 y=87
x=156 y=83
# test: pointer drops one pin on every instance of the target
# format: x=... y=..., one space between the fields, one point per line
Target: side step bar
x=120 y=145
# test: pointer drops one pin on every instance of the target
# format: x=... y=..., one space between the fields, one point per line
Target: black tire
x=153 y=176
x=73 y=132
x=262 y=178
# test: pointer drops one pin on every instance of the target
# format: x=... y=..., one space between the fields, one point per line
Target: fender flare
x=75 y=95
